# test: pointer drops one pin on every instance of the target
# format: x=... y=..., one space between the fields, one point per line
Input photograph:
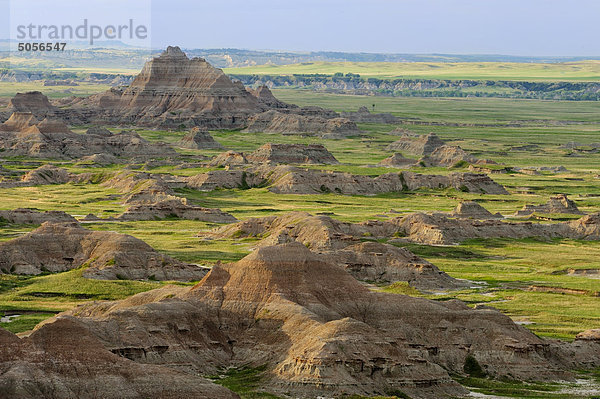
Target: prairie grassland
x=489 y=128
x=568 y=71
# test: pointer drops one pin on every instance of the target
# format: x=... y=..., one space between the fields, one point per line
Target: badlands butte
x=188 y=237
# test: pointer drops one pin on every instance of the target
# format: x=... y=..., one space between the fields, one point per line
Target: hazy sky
x=512 y=27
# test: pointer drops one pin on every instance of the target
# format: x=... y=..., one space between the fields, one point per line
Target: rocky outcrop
x=364 y=116
x=556 y=204
x=57 y=247
x=286 y=179
x=467 y=182
x=472 y=210
x=288 y=123
x=439 y=229
x=33 y=216
x=22 y=135
x=292 y=154
x=448 y=156
x=33 y=102
x=229 y=158
x=64 y=360
x=97 y=160
x=589 y=335
x=172 y=90
x=340 y=243
x=227 y=179
x=47 y=174
x=317 y=331
x=141 y=187
x=384 y=263
x=198 y=139
x=176 y=209
x=397 y=161
x=416 y=144
x=264 y=95
x=99 y=131
x=319 y=233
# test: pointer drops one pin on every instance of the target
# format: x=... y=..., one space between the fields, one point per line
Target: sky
x=508 y=27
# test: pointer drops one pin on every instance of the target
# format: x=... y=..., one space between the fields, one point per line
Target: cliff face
x=174 y=89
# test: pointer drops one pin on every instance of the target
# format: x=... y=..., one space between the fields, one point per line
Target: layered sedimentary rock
x=229 y=158
x=340 y=243
x=472 y=210
x=468 y=182
x=291 y=123
x=33 y=216
x=33 y=102
x=176 y=209
x=142 y=188
x=292 y=154
x=416 y=144
x=448 y=155
x=556 y=204
x=266 y=97
x=397 y=161
x=198 y=139
x=364 y=116
x=438 y=229
x=57 y=247
x=172 y=90
x=64 y=360
x=319 y=332
x=285 y=179
x=23 y=135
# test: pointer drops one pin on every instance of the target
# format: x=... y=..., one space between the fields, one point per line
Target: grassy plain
x=568 y=71
x=512 y=270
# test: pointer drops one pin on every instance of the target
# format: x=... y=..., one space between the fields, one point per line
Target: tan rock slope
x=176 y=209
x=57 y=247
x=23 y=135
x=439 y=229
x=472 y=210
x=198 y=139
x=340 y=243
x=433 y=150
x=416 y=144
x=291 y=123
x=557 y=204
x=284 y=179
x=33 y=216
x=63 y=360
x=320 y=332
x=292 y=154
x=448 y=155
x=397 y=161
x=33 y=102
x=363 y=115
x=172 y=89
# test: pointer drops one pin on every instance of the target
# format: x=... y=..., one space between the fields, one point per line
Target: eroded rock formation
x=319 y=331
x=198 y=139
x=23 y=135
x=57 y=247
x=292 y=154
x=64 y=360
x=556 y=204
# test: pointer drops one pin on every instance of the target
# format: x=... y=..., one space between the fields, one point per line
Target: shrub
x=473 y=368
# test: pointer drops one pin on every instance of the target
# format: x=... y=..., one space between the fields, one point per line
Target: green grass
x=569 y=71
x=9 y=89
x=25 y=322
x=244 y=381
x=482 y=126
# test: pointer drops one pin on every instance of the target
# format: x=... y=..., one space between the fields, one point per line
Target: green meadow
x=489 y=128
x=569 y=71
